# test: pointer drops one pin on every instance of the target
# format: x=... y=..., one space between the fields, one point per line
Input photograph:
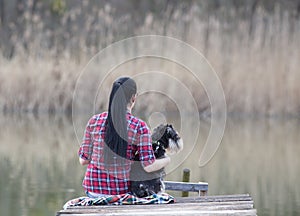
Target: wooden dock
x=185 y=206
x=200 y=205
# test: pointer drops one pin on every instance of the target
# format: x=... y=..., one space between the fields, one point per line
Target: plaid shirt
x=113 y=180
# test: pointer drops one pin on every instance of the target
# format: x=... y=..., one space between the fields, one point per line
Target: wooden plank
x=167 y=206
x=211 y=205
x=219 y=198
x=251 y=212
x=209 y=200
x=186 y=186
x=162 y=210
x=184 y=210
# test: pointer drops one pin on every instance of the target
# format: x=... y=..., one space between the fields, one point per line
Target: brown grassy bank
x=256 y=57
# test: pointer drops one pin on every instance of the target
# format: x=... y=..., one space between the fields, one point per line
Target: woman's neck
x=129 y=108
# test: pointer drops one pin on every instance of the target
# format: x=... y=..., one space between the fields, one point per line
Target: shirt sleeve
x=145 y=145
x=86 y=148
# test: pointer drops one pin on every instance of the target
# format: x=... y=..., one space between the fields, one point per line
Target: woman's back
x=100 y=175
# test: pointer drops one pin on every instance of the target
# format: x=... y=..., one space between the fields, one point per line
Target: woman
x=110 y=141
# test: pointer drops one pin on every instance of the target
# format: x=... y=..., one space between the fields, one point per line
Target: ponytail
x=116 y=135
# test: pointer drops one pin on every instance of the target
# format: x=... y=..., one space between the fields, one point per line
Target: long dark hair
x=116 y=135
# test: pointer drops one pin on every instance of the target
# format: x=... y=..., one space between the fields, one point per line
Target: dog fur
x=164 y=140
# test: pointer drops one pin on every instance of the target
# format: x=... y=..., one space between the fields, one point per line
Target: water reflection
x=256 y=157
x=40 y=170
x=38 y=167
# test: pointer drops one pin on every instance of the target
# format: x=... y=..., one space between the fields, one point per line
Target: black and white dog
x=164 y=140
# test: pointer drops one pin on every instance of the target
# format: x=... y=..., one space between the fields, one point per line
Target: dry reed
x=256 y=59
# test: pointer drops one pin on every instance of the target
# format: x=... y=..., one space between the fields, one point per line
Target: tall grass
x=256 y=58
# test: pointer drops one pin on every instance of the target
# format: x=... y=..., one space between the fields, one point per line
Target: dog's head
x=166 y=136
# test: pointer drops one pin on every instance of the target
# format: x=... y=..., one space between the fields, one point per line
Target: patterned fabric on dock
x=123 y=199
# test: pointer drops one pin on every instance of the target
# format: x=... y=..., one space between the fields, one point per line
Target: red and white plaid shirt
x=114 y=180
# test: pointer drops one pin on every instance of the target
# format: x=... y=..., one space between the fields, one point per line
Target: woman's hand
x=158 y=164
x=83 y=161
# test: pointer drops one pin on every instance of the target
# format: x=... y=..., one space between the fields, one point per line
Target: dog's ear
x=169 y=125
x=158 y=132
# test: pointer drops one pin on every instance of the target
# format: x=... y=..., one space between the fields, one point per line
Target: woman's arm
x=158 y=164
x=86 y=148
x=146 y=154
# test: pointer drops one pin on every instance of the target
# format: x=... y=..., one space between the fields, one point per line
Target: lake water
x=40 y=169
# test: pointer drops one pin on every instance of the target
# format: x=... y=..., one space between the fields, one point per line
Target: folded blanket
x=122 y=199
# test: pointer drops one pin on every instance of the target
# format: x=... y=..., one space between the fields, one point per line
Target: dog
x=164 y=140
